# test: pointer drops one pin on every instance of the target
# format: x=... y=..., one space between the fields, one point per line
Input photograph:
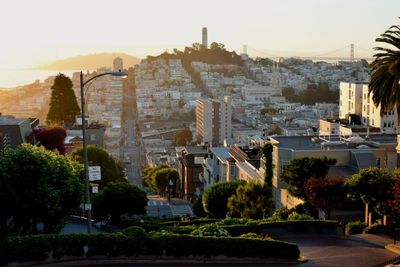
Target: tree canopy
x=299 y=170
x=325 y=194
x=183 y=137
x=52 y=138
x=215 y=197
x=37 y=185
x=314 y=93
x=111 y=171
x=252 y=200
x=117 y=199
x=63 y=105
x=385 y=71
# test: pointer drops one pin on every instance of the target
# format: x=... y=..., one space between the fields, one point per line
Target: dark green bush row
x=353 y=228
x=38 y=248
x=374 y=229
x=284 y=227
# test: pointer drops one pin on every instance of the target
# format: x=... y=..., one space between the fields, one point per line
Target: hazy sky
x=36 y=32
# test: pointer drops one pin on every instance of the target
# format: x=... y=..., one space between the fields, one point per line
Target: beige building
x=214 y=120
x=351 y=155
x=355 y=101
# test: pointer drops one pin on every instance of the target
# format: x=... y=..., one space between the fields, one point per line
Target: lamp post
x=169 y=189
x=88 y=205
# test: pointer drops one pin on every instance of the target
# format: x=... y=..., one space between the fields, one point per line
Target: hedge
x=353 y=228
x=374 y=229
x=39 y=247
x=284 y=227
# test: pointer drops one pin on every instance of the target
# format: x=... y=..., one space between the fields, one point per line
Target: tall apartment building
x=354 y=100
x=204 y=38
x=214 y=120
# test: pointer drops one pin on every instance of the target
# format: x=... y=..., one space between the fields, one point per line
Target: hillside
x=91 y=62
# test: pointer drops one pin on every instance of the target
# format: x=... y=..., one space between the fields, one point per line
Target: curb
x=393 y=248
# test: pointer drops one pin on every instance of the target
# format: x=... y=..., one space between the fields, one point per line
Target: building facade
x=214 y=120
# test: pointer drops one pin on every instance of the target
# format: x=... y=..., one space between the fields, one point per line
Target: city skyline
x=44 y=31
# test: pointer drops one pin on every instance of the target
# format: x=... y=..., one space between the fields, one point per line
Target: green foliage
x=354 y=228
x=251 y=236
x=215 y=198
x=183 y=137
x=281 y=214
x=294 y=216
x=266 y=153
x=233 y=221
x=313 y=94
x=37 y=185
x=135 y=232
x=162 y=179
x=299 y=170
x=325 y=194
x=374 y=229
x=117 y=199
x=252 y=200
x=63 y=105
x=149 y=175
x=37 y=248
x=111 y=171
x=371 y=185
x=269 y=111
x=210 y=230
x=385 y=71
x=198 y=208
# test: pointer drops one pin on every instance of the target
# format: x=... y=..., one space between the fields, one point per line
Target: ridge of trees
x=313 y=94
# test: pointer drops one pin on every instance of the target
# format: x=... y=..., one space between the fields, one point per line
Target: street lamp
x=169 y=189
x=88 y=205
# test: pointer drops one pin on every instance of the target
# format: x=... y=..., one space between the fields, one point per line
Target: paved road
x=320 y=251
x=333 y=251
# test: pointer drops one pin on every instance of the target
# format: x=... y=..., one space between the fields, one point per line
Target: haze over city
x=34 y=33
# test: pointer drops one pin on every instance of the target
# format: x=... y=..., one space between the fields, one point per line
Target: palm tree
x=385 y=71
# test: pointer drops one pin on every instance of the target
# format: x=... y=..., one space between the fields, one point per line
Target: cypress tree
x=63 y=104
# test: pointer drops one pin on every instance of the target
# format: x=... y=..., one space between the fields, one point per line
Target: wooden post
x=366 y=214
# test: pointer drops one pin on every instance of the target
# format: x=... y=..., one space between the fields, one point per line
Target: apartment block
x=214 y=120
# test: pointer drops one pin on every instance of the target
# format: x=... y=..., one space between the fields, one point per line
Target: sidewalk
x=384 y=241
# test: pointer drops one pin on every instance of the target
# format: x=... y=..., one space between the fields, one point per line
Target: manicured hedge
x=284 y=227
x=374 y=229
x=353 y=228
x=39 y=247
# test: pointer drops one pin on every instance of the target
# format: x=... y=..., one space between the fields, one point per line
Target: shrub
x=281 y=214
x=374 y=229
x=233 y=221
x=251 y=236
x=198 y=208
x=353 y=228
x=38 y=248
x=294 y=216
x=210 y=230
x=135 y=231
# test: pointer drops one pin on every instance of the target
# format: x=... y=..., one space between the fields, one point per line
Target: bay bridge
x=355 y=53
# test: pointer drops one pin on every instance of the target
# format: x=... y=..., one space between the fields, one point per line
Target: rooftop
x=222 y=153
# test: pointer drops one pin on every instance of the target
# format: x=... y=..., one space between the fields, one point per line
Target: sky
x=37 y=32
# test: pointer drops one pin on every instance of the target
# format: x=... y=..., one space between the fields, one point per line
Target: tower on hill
x=204 y=39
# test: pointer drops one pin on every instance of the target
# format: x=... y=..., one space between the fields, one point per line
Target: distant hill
x=91 y=62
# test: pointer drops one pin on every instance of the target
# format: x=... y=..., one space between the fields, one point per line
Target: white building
x=214 y=120
x=354 y=100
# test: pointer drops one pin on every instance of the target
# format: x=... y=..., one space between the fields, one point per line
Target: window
x=217 y=179
x=92 y=137
x=232 y=170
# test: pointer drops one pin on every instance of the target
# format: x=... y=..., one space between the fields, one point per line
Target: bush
x=294 y=216
x=353 y=228
x=374 y=229
x=135 y=231
x=38 y=248
x=281 y=214
x=210 y=230
x=198 y=208
x=251 y=236
x=215 y=198
x=233 y=221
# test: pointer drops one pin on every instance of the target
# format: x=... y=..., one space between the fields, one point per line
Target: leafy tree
x=183 y=137
x=252 y=200
x=266 y=153
x=149 y=175
x=269 y=111
x=37 y=185
x=299 y=170
x=52 y=138
x=117 y=199
x=385 y=71
x=63 y=105
x=275 y=129
x=198 y=208
x=111 y=171
x=325 y=194
x=217 y=46
x=215 y=198
x=373 y=186
x=162 y=178
x=289 y=93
